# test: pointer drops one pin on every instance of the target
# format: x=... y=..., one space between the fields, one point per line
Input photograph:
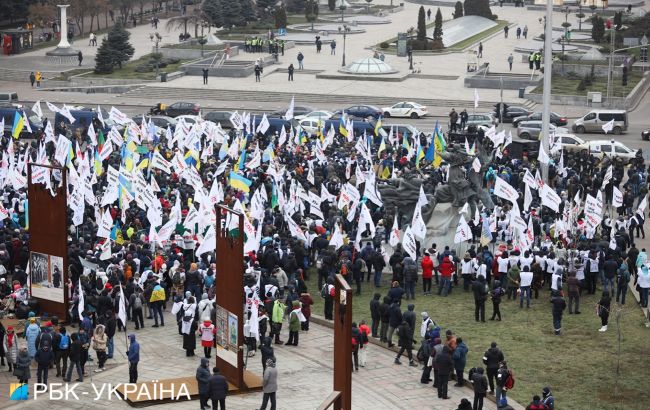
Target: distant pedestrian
x=429 y=14
x=80 y=57
x=203 y=381
x=480 y=50
x=538 y=60
x=480 y=384
x=22 y=365
x=258 y=72
x=92 y=39
x=218 y=390
x=511 y=60
x=269 y=384
x=290 y=69
x=300 y=59
x=559 y=304
x=39 y=77
x=518 y=33
x=319 y=44
x=463 y=119
x=333 y=47
x=133 y=356
x=205 y=76
x=505 y=31
x=453 y=119
x=525 y=32
x=32 y=78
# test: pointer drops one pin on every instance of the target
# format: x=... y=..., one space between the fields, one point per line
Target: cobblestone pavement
x=305 y=376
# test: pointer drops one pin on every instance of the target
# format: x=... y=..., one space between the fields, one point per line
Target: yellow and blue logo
x=18 y=391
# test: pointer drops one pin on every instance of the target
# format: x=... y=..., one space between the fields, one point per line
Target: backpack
x=323 y=291
x=45 y=344
x=424 y=352
x=510 y=380
x=176 y=279
x=137 y=302
x=64 y=342
x=209 y=281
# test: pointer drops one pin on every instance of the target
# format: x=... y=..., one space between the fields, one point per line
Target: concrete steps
x=188 y=94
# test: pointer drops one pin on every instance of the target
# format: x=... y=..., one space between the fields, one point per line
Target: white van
x=611 y=148
x=595 y=119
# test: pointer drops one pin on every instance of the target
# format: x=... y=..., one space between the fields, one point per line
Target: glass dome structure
x=368 y=66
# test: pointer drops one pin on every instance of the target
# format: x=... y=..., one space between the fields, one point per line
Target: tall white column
x=63 y=43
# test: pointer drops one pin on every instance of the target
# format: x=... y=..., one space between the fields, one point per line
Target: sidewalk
x=304 y=380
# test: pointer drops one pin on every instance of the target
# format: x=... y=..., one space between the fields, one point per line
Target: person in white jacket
x=205 y=308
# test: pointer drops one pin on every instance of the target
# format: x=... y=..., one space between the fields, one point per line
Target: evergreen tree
x=458 y=10
x=231 y=14
x=437 y=27
x=311 y=11
x=422 y=25
x=280 y=17
x=114 y=51
x=331 y=4
x=597 y=28
x=262 y=5
x=248 y=14
x=296 y=6
x=212 y=11
x=478 y=8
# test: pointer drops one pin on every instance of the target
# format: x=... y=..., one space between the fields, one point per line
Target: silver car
x=477 y=120
x=530 y=130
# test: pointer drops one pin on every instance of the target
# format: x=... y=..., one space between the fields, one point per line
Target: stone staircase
x=188 y=94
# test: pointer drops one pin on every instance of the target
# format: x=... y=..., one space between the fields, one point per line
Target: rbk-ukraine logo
x=18 y=391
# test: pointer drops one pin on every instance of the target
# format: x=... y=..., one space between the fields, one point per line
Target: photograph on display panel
x=46 y=276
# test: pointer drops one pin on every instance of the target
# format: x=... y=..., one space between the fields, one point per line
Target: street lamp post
x=155 y=38
x=345 y=30
x=342 y=7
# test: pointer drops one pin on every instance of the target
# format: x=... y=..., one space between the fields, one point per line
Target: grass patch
x=579 y=366
x=568 y=86
x=456 y=47
x=128 y=70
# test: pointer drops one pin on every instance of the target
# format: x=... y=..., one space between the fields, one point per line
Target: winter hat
x=424 y=315
x=295 y=303
x=188 y=294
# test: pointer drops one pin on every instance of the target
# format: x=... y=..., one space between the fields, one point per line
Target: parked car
x=297 y=110
x=406 y=109
x=275 y=124
x=219 y=117
x=310 y=125
x=611 y=148
x=556 y=119
x=400 y=129
x=160 y=121
x=530 y=130
x=9 y=98
x=8 y=113
x=510 y=112
x=595 y=119
x=322 y=115
x=182 y=108
x=481 y=120
x=358 y=126
x=83 y=118
x=361 y=111
x=190 y=119
x=645 y=135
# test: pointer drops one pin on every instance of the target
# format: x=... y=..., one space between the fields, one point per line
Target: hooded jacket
x=395 y=316
x=134 y=350
x=270 y=378
x=99 y=339
x=410 y=270
x=374 y=307
x=203 y=376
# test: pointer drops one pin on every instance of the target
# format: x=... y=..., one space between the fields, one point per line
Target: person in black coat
x=409 y=317
x=217 y=390
x=491 y=359
x=395 y=293
x=480 y=388
x=444 y=365
x=384 y=316
x=203 y=380
x=559 y=304
x=405 y=335
x=395 y=319
x=267 y=352
x=480 y=295
x=374 y=314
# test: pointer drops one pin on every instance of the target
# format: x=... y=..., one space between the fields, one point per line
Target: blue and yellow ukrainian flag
x=378 y=125
x=239 y=182
x=19 y=124
x=342 y=126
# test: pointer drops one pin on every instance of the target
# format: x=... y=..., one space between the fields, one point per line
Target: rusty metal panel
x=343 y=343
x=230 y=282
x=48 y=232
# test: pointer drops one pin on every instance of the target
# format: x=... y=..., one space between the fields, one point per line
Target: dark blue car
x=362 y=111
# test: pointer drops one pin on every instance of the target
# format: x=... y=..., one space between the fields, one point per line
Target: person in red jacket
x=306 y=301
x=365 y=334
x=447 y=269
x=427 y=273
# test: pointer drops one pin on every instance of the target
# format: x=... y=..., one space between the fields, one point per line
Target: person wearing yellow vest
x=276 y=320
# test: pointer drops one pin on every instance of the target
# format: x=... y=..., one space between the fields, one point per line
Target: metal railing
x=330 y=401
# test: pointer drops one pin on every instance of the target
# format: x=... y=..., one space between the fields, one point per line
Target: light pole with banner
x=345 y=30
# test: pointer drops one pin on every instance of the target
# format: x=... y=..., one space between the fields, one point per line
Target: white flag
x=92 y=135
x=550 y=198
x=209 y=242
x=409 y=244
x=37 y=109
x=608 y=126
x=289 y=114
x=617 y=197
x=264 y=125
x=463 y=231
x=504 y=190
x=100 y=116
x=608 y=176
x=121 y=314
x=105 y=226
x=528 y=198
x=476 y=98
x=393 y=240
x=337 y=238
x=476 y=165
x=542 y=157
x=81 y=305
x=612 y=239
x=106 y=250
x=118 y=116
x=642 y=205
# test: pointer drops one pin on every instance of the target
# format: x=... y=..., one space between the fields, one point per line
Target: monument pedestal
x=63 y=53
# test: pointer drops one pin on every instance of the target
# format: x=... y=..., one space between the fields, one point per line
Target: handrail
x=329 y=400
